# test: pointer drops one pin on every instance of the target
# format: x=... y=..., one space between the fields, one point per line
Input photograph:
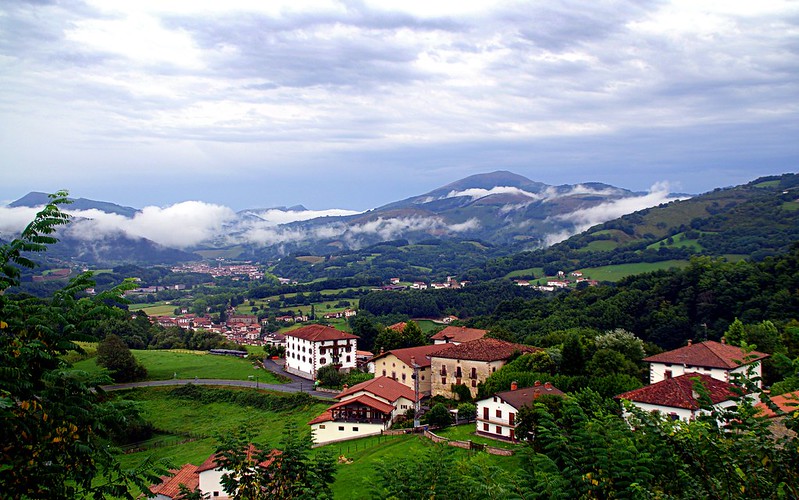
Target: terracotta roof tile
x=678 y=392
x=170 y=485
x=459 y=334
x=317 y=333
x=526 y=395
x=365 y=400
x=326 y=416
x=420 y=353
x=708 y=354
x=788 y=403
x=383 y=387
x=483 y=350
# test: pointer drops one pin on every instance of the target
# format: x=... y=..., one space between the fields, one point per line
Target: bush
x=439 y=416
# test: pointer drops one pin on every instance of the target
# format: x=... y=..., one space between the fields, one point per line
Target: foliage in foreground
x=55 y=422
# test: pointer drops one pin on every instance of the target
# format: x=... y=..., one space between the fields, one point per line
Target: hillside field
x=617 y=272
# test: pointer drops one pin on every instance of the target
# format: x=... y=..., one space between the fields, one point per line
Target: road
x=297 y=384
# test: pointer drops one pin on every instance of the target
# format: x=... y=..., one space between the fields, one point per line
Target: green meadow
x=619 y=271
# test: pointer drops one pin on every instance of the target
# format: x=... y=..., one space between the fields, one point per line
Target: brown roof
x=211 y=462
x=316 y=333
x=327 y=416
x=170 y=485
x=483 y=350
x=459 y=334
x=526 y=395
x=678 y=392
x=420 y=353
x=397 y=327
x=708 y=354
x=787 y=403
x=365 y=400
x=384 y=387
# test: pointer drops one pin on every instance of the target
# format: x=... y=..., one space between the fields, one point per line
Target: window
x=474 y=373
x=485 y=427
x=348 y=359
x=216 y=493
x=323 y=361
x=443 y=370
x=403 y=377
x=321 y=350
x=384 y=373
x=499 y=413
x=443 y=380
x=341 y=427
x=667 y=374
x=394 y=375
x=512 y=418
x=499 y=430
x=485 y=413
x=322 y=426
x=474 y=383
x=458 y=373
x=354 y=429
x=495 y=399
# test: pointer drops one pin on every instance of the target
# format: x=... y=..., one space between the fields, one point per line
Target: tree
x=439 y=416
x=56 y=422
x=115 y=356
x=288 y=472
x=623 y=342
x=328 y=376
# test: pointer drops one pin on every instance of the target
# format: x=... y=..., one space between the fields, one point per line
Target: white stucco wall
x=306 y=357
x=497 y=426
x=657 y=371
x=211 y=481
x=328 y=432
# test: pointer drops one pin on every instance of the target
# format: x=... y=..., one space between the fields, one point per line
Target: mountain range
x=499 y=208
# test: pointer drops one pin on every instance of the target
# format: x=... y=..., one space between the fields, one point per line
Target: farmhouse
x=458 y=335
x=314 y=346
x=678 y=398
x=365 y=409
x=496 y=415
x=207 y=478
x=398 y=364
x=470 y=363
x=718 y=360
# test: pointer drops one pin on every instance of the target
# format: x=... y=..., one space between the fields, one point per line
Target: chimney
x=723 y=340
x=413 y=361
x=537 y=383
x=690 y=342
x=514 y=386
x=547 y=385
x=345 y=387
x=381 y=350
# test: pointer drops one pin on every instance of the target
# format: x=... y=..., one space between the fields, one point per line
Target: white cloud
x=586 y=218
x=477 y=193
x=274 y=216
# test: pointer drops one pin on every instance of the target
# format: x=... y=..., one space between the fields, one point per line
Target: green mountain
x=754 y=220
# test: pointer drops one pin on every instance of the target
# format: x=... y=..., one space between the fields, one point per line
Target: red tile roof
x=788 y=403
x=170 y=485
x=678 y=392
x=327 y=416
x=211 y=462
x=483 y=350
x=365 y=400
x=316 y=333
x=708 y=354
x=526 y=395
x=383 y=387
x=420 y=353
x=397 y=327
x=459 y=334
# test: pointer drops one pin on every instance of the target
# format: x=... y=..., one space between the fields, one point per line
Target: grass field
x=617 y=272
x=600 y=246
x=158 y=309
x=353 y=481
x=526 y=273
x=168 y=364
x=466 y=432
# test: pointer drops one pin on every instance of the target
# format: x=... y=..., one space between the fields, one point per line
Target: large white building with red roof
x=365 y=409
x=496 y=415
x=314 y=346
x=715 y=359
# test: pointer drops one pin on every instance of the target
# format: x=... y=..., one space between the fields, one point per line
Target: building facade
x=314 y=346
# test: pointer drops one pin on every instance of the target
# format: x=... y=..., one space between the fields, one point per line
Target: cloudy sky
x=353 y=104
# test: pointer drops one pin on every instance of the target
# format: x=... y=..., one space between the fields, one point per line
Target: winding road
x=297 y=384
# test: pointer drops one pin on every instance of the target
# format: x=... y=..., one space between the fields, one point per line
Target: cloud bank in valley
x=586 y=218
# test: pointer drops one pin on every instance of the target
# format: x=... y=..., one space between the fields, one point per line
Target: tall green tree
x=55 y=422
x=115 y=356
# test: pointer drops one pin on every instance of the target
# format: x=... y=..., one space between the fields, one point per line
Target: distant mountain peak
x=37 y=199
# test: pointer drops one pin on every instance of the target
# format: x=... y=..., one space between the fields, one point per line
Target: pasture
x=619 y=271
x=168 y=364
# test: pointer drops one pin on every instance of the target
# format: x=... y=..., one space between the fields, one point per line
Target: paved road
x=297 y=384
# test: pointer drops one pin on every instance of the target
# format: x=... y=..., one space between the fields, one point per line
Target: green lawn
x=526 y=273
x=158 y=309
x=466 y=432
x=600 y=246
x=164 y=364
x=617 y=272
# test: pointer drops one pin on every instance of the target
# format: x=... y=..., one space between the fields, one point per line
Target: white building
x=496 y=415
x=718 y=360
x=365 y=409
x=677 y=397
x=314 y=346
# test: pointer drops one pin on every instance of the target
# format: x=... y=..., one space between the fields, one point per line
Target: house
x=314 y=346
x=470 y=363
x=365 y=409
x=717 y=359
x=496 y=415
x=397 y=327
x=398 y=364
x=419 y=285
x=788 y=408
x=362 y=359
x=458 y=335
x=206 y=477
x=677 y=397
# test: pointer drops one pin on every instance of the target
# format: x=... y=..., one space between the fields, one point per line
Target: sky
x=354 y=104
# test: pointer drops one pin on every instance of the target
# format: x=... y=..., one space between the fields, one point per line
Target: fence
x=468 y=445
